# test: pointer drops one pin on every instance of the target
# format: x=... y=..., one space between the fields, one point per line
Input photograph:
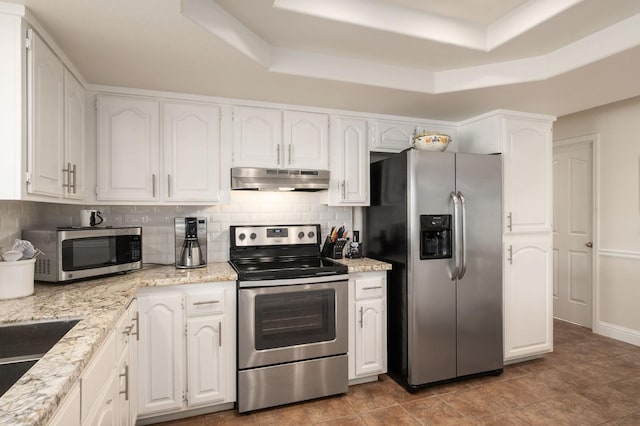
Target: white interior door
x=572 y=232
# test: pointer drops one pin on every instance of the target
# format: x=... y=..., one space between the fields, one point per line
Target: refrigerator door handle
x=463 y=247
x=456 y=236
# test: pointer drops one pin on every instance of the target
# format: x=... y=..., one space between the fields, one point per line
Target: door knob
x=589 y=244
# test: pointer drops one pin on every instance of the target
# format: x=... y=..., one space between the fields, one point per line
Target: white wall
x=246 y=208
x=618 y=210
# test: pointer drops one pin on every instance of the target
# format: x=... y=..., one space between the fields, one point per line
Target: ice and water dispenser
x=435 y=236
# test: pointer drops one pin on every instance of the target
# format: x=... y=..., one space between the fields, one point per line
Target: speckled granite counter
x=364 y=265
x=100 y=302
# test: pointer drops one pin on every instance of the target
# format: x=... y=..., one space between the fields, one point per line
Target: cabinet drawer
x=205 y=302
x=369 y=288
x=96 y=374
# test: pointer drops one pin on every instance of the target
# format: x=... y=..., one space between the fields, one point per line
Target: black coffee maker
x=191 y=242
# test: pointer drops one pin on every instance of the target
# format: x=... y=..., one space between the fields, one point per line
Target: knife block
x=334 y=250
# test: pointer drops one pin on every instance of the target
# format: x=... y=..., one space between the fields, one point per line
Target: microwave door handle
x=463 y=239
x=456 y=231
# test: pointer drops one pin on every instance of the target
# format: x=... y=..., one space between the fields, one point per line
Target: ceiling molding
x=599 y=45
x=384 y=16
x=216 y=20
x=523 y=19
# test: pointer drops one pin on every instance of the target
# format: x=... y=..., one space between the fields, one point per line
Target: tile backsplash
x=245 y=208
x=14 y=217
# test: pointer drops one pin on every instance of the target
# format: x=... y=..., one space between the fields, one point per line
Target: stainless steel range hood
x=279 y=179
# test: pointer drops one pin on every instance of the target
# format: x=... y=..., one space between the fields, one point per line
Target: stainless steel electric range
x=292 y=316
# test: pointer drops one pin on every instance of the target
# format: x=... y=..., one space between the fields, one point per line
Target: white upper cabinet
x=45 y=119
x=349 y=184
x=184 y=163
x=269 y=137
x=527 y=162
x=74 y=136
x=191 y=136
x=257 y=137
x=392 y=136
x=305 y=140
x=128 y=149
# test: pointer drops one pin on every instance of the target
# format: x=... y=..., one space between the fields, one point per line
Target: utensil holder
x=334 y=249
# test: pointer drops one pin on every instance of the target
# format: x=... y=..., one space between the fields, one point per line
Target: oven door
x=291 y=323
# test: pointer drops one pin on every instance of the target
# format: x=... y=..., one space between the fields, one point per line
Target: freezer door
x=479 y=290
x=431 y=292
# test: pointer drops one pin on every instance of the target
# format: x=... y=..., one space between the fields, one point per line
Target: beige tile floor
x=587 y=380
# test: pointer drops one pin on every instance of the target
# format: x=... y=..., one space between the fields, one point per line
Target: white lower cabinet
x=367 y=325
x=187 y=347
x=528 y=302
x=68 y=414
x=99 y=389
x=106 y=385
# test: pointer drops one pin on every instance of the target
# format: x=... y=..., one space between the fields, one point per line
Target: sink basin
x=24 y=344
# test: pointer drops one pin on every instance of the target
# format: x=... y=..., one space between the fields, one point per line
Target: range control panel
x=246 y=236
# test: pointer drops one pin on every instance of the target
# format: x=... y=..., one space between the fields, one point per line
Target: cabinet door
x=369 y=334
x=46 y=106
x=257 y=137
x=191 y=152
x=206 y=360
x=124 y=390
x=392 y=136
x=128 y=149
x=134 y=336
x=161 y=352
x=349 y=184
x=106 y=413
x=306 y=140
x=527 y=175
x=528 y=302
x=74 y=135
x=68 y=413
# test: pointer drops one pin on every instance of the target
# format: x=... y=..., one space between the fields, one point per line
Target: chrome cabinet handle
x=463 y=248
x=137 y=320
x=510 y=225
x=589 y=244
x=456 y=235
x=510 y=258
x=126 y=383
x=371 y=288
x=153 y=185
x=73 y=172
x=290 y=153
x=68 y=172
x=169 y=186
x=361 y=316
x=219 y=333
x=278 y=154
x=344 y=189
x=205 y=302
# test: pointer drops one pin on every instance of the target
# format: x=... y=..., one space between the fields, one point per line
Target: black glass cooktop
x=282 y=268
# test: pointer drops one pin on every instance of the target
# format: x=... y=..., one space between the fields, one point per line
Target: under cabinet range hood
x=279 y=179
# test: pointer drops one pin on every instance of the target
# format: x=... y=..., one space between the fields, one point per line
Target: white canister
x=16 y=278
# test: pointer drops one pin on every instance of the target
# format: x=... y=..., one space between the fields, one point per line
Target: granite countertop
x=364 y=265
x=99 y=303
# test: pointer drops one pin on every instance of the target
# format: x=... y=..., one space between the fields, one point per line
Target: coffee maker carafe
x=191 y=242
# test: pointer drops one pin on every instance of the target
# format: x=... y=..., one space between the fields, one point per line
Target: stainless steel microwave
x=81 y=253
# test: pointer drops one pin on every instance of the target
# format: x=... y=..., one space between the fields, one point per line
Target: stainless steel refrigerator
x=437 y=218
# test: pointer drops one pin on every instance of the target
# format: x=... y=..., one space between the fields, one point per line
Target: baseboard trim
x=617 y=332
